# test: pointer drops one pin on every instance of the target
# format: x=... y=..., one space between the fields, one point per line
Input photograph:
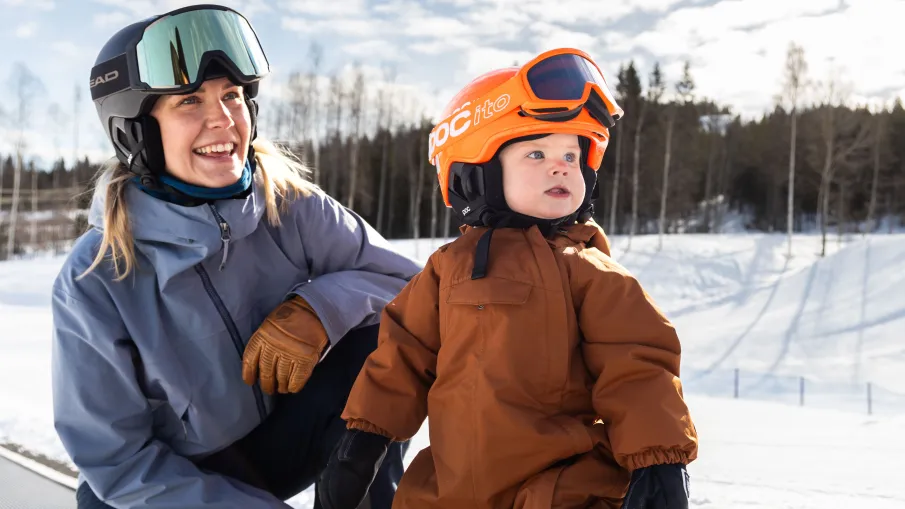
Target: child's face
x=542 y=178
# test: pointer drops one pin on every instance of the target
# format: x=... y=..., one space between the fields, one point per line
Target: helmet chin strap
x=489 y=208
x=476 y=191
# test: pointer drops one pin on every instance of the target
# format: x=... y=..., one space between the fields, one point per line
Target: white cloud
x=43 y=5
x=550 y=36
x=397 y=9
x=436 y=26
x=735 y=14
x=577 y=11
x=140 y=9
x=347 y=27
x=559 y=11
x=456 y=3
x=500 y=21
x=112 y=19
x=738 y=47
x=27 y=30
x=441 y=46
x=325 y=7
x=482 y=59
x=68 y=49
x=375 y=50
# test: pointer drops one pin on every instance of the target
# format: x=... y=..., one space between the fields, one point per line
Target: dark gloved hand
x=351 y=469
x=658 y=487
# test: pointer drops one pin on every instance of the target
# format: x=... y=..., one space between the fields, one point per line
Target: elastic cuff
x=324 y=311
x=652 y=457
x=363 y=425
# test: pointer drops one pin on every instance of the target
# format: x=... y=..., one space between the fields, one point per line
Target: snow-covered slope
x=737 y=302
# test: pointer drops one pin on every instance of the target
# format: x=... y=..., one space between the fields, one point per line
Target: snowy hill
x=737 y=302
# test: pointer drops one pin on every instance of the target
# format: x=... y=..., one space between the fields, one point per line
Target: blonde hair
x=281 y=174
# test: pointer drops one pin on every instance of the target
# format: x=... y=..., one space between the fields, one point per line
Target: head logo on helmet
x=464 y=119
x=106 y=78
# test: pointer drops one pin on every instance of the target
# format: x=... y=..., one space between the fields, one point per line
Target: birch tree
x=416 y=175
x=335 y=112
x=841 y=135
x=792 y=94
x=312 y=115
x=636 y=162
x=629 y=90
x=27 y=86
x=684 y=90
x=357 y=120
x=880 y=119
x=58 y=120
x=385 y=126
x=617 y=174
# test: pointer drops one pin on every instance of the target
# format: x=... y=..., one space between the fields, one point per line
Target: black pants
x=287 y=451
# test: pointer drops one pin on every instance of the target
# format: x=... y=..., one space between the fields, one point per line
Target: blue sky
x=736 y=47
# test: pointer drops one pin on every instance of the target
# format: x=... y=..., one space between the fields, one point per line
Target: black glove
x=658 y=487
x=351 y=469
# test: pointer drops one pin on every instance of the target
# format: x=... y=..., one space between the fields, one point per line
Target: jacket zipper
x=233 y=331
x=224 y=234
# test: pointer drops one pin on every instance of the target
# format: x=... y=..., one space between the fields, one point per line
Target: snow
x=768 y=455
x=738 y=303
x=25 y=332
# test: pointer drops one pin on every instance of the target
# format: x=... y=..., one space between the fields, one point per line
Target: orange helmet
x=559 y=91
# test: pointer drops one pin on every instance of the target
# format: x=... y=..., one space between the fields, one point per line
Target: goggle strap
x=558 y=116
x=109 y=77
x=597 y=108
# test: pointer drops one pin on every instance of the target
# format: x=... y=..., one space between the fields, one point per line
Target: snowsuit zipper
x=221 y=307
x=224 y=234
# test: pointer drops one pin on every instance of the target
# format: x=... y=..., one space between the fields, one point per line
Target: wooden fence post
x=870 y=399
x=735 y=389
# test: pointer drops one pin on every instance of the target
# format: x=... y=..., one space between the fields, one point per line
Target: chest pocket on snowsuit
x=495 y=327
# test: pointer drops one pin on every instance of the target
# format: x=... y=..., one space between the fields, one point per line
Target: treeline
x=676 y=162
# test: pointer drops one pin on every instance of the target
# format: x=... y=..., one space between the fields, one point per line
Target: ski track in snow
x=737 y=302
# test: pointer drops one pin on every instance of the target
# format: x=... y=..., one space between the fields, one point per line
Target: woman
x=212 y=265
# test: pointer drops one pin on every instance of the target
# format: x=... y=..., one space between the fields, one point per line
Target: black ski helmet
x=153 y=57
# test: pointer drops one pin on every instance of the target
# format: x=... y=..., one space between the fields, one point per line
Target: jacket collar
x=588 y=233
x=176 y=237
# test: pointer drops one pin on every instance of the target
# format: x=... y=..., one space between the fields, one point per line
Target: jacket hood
x=176 y=237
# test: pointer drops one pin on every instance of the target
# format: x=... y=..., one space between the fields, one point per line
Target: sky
x=432 y=48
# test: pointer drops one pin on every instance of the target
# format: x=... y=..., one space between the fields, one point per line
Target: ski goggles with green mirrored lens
x=174 y=51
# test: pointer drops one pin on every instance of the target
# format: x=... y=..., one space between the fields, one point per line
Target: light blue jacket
x=148 y=371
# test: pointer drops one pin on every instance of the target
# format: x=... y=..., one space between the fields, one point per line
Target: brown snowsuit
x=545 y=383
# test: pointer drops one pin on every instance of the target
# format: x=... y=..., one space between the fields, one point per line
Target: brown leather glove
x=285 y=348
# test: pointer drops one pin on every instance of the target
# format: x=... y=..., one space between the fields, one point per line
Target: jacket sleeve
x=390 y=394
x=354 y=271
x=104 y=420
x=633 y=354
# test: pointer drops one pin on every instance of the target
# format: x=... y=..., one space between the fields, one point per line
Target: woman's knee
x=340 y=368
x=85 y=498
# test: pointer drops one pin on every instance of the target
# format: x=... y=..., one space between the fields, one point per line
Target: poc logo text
x=465 y=117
